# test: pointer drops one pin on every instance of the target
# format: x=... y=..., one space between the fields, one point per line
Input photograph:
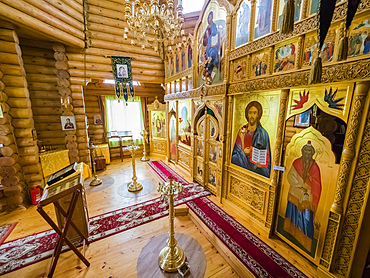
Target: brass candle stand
x=145 y=136
x=171 y=257
x=133 y=185
x=96 y=181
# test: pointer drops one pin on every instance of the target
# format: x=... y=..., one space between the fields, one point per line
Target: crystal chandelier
x=155 y=24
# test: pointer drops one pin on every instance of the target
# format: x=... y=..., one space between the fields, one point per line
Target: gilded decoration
x=334 y=99
x=251 y=195
x=159 y=147
x=306 y=190
x=338 y=72
x=184 y=157
x=286 y=56
x=357 y=201
x=201 y=91
x=254 y=129
x=302 y=27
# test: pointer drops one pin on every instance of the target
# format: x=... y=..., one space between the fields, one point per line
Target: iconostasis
x=158 y=128
x=265 y=142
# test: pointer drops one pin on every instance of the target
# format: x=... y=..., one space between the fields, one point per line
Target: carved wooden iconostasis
x=158 y=128
x=209 y=143
x=269 y=145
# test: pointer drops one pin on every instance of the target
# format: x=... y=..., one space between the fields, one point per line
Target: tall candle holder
x=171 y=257
x=96 y=181
x=145 y=136
x=133 y=186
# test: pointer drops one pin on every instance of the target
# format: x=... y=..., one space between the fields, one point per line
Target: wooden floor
x=117 y=256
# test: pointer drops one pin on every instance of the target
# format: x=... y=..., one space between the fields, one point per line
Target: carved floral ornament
x=202 y=91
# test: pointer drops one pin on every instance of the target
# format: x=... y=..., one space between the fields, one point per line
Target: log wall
x=56 y=20
x=20 y=168
x=42 y=80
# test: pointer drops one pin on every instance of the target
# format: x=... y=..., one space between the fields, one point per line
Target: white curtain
x=125 y=116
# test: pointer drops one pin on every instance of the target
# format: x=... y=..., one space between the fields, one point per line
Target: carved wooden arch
x=223 y=3
x=197 y=116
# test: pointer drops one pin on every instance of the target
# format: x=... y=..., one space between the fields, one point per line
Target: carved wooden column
x=346 y=172
x=354 y=217
x=168 y=132
x=251 y=23
x=227 y=50
x=227 y=154
x=277 y=156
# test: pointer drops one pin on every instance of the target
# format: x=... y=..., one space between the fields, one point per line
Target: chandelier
x=154 y=25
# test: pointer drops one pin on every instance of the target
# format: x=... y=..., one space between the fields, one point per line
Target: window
x=192 y=6
x=125 y=116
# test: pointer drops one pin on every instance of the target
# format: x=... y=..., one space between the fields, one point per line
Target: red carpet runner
x=5 y=231
x=34 y=248
x=257 y=256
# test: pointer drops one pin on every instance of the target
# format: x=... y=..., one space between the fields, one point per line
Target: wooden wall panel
x=39 y=63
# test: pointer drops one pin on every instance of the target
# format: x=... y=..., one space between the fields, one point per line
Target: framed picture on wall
x=97 y=119
x=303 y=119
x=68 y=122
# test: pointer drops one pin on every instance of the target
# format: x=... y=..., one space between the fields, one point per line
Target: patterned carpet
x=5 y=231
x=34 y=248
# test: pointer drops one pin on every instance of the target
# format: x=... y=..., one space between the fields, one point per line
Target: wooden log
x=35 y=61
x=78 y=103
x=7 y=139
x=33 y=43
x=118 y=7
x=41 y=95
x=63 y=83
x=29 y=160
x=12 y=180
x=123 y=47
x=14 y=81
x=116 y=52
x=42 y=103
x=76 y=5
x=106 y=12
x=6 y=119
x=50 y=9
x=79 y=111
x=11 y=59
x=80 y=117
x=25 y=142
x=9 y=160
x=9 y=35
x=18 y=113
x=67 y=9
x=17 y=92
x=44 y=78
x=108 y=75
x=10 y=170
x=64 y=91
x=37 y=51
x=6 y=129
x=36 y=168
x=47 y=119
x=50 y=19
x=77 y=96
x=53 y=141
x=22 y=123
x=9 y=150
x=15 y=70
x=33 y=177
x=37 y=86
x=8 y=46
x=29 y=21
x=48 y=127
x=50 y=134
x=23 y=132
x=30 y=68
x=63 y=73
x=19 y=102
x=24 y=151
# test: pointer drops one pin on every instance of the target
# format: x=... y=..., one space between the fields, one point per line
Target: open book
x=259 y=156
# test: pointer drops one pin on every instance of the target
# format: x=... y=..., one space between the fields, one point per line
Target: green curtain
x=115 y=142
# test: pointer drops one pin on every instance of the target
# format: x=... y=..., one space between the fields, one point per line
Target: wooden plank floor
x=116 y=256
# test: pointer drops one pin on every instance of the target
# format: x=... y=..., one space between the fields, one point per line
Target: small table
x=53 y=194
x=120 y=135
